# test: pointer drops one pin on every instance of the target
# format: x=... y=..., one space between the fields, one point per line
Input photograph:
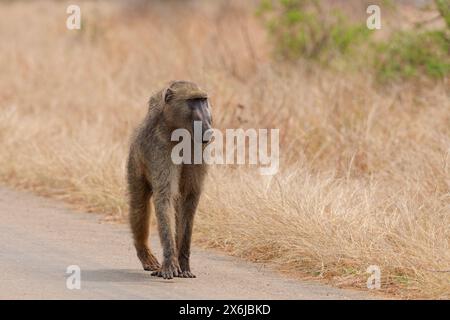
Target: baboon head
x=186 y=105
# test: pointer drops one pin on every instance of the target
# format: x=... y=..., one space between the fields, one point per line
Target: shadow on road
x=116 y=275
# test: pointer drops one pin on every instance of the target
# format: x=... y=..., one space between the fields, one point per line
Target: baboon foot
x=168 y=270
x=148 y=260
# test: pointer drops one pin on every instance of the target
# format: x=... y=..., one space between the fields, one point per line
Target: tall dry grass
x=365 y=171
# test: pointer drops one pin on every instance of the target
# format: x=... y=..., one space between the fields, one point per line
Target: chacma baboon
x=175 y=188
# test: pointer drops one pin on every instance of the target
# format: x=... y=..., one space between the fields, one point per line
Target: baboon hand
x=186 y=274
x=185 y=268
x=170 y=268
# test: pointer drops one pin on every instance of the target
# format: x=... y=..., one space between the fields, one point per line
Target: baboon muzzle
x=202 y=120
x=202 y=131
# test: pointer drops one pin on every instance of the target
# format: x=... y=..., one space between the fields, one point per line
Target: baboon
x=174 y=188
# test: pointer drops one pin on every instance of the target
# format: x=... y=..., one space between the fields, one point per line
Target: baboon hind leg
x=184 y=223
x=164 y=211
x=140 y=193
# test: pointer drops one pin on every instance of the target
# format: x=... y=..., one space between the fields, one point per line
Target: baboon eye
x=196 y=102
x=197 y=99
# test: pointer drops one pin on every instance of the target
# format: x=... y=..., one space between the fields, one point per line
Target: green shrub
x=443 y=6
x=300 y=28
x=410 y=54
x=407 y=55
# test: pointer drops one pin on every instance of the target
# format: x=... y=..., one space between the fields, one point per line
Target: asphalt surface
x=40 y=239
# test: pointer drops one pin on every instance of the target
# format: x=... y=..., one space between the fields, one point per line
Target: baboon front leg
x=139 y=216
x=185 y=221
x=164 y=213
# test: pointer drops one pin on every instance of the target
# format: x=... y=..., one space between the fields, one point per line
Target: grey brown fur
x=175 y=189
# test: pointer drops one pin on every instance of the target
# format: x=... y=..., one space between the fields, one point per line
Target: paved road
x=40 y=238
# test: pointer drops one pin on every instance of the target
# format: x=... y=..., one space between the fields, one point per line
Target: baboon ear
x=168 y=94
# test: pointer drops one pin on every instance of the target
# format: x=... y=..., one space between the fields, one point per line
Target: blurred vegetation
x=408 y=55
x=300 y=28
x=303 y=29
x=443 y=6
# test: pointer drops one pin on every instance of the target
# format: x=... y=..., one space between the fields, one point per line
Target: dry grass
x=365 y=171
